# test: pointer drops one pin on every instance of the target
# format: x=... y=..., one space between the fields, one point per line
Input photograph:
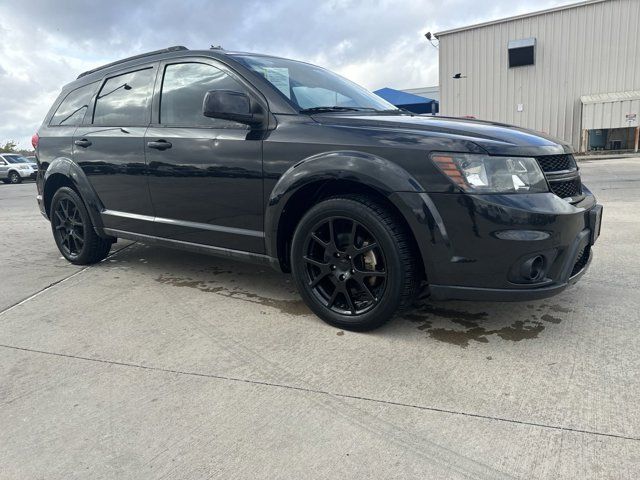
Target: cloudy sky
x=46 y=43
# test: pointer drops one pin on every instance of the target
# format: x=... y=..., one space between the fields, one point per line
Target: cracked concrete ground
x=164 y=364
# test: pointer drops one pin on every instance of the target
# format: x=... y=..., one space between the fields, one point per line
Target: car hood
x=494 y=138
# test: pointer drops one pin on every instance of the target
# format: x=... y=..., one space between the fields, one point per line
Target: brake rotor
x=370 y=262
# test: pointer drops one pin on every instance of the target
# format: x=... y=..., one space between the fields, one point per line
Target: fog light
x=533 y=268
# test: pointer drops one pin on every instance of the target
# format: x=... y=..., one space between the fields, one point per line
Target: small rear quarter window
x=73 y=108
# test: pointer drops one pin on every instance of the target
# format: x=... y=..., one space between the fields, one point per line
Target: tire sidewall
x=70 y=194
x=16 y=176
x=352 y=209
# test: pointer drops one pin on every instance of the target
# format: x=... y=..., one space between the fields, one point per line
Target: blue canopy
x=408 y=101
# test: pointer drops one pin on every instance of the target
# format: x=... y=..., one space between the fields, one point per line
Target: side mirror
x=230 y=105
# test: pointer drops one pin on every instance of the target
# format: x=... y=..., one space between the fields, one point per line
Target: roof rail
x=135 y=57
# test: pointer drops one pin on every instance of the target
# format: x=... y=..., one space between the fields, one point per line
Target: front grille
x=556 y=163
x=566 y=188
x=582 y=259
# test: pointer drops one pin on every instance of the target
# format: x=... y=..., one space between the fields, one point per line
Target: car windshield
x=15 y=159
x=314 y=89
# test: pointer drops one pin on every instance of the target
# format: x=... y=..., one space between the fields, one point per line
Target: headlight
x=24 y=167
x=486 y=174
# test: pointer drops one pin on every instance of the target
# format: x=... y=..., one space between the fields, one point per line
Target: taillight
x=34 y=140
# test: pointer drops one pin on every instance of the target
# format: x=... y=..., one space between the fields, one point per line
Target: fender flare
x=76 y=176
x=370 y=170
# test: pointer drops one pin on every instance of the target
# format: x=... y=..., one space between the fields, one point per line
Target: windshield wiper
x=335 y=108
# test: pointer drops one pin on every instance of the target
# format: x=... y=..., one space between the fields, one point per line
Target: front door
x=109 y=147
x=205 y=174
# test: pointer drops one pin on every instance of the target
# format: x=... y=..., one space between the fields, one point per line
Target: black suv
x=285 y=163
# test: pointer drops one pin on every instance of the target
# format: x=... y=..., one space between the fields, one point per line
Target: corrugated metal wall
x=611 y=111
x=592 y=48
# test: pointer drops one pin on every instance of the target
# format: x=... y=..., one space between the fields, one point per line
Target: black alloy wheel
x=68 y=227
x=73 y=231
x=345 y=268
x=354 y=263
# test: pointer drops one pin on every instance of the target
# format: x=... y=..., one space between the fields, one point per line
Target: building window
x=522 y=52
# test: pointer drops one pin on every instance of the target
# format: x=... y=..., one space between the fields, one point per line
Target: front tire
x=15 y=178
x=353 y=262
x=73 y=231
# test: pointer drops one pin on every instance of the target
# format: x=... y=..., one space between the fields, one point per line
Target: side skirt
x=197 y=248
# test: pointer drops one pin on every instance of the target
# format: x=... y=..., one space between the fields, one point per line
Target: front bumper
x=475 y=247
x=30 y=173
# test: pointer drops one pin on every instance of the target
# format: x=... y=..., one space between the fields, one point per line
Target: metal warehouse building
x=571 y=71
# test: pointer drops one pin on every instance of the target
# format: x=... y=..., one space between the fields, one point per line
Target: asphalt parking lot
x=163 y=364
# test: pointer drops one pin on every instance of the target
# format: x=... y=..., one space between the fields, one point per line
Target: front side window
x=183 y=90
x=73 y=108
x=125 y=100
x=310 y=87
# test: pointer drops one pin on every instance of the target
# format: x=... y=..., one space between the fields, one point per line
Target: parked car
x=284 y=163
x=14 y=168
x=32 y=161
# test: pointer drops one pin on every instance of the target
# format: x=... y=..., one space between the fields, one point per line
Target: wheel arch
x=63 y=172
x=326 y=175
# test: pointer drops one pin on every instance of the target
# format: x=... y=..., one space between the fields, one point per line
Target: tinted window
x=125 y=99
x=183 y=90
x=72 y=109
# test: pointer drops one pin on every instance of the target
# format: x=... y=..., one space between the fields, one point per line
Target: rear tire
x=353 y=262
x=15 y=178
x=73 y=230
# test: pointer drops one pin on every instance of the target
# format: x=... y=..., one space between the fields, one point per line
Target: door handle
x=159 y=145
x=84 y=143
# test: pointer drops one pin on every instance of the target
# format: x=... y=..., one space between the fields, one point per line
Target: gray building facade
x=427 y=92
x=572 y=72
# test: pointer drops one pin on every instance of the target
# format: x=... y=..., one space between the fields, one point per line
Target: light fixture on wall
x=458 y=76
x=430 y=36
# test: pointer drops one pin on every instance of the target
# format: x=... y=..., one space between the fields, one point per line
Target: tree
x=9 y=146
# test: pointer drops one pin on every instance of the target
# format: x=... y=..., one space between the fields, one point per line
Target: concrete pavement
x=164 y=364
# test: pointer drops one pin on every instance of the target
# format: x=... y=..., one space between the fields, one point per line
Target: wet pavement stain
x=559 y=309
x=550 y=318
x=519 y=330
x=291 y=307
x=431 y=319
x=456 y=315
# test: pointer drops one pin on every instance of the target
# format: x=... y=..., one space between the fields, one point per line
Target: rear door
x=205 y=174
x=109 y=146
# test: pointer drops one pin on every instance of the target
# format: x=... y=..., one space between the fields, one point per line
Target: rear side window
x=183 y=89
x=125 y=100
x=73 y=108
